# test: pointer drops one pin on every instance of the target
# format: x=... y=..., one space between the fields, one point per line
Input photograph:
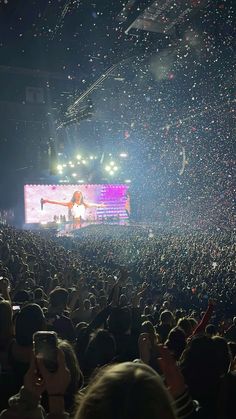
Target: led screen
x=48 y=203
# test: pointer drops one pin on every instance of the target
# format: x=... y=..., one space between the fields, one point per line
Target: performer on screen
x=127 y=204
x=77 y=206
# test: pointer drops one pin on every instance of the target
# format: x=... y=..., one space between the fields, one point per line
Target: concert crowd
x=145 y=320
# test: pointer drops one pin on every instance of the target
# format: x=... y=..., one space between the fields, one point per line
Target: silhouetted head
x=29 y=321
x=58 y=299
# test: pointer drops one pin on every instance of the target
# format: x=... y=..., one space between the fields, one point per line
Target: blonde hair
x=126 y=391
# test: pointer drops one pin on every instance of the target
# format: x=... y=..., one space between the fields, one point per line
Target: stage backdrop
x=115 y=198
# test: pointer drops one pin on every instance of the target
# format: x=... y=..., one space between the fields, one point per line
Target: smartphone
x=45 y=347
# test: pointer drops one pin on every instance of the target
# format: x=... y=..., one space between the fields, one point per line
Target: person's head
x=92 y=300
x=147 y=327
x=77 y=197
x=119 y=321
x=123 y=300
x=142 y=303
x=22 y=296
x=102 y=300
x=6 y=324
x=58 y=299
x=176 y=342
x=147 y=311
x=178 y=315
x=222 y=353
x=167 y=317
x=81 y=326
x=186 y=326
x=87 y=305
x=200 y=368
x=127 y=390
x=29 y=320
x=100 y=350
x=232 y=348
x=166 y=305
x=193 y=322
x=38 y=294
x=211 y=330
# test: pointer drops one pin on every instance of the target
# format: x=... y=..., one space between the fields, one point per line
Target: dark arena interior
x=117 y=209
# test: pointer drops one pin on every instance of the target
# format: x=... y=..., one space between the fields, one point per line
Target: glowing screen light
x=114 y=198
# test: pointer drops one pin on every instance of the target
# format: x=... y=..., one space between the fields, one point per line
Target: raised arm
x=64 y=204
x=200 y=328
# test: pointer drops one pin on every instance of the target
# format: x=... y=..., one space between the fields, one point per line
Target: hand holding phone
x=55 y=383
x=145 y=347
x=45 y=349
x=32 y=381
x=174 y=379
x=38 y=379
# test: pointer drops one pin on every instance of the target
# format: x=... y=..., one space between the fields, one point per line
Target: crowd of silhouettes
x=145 y=322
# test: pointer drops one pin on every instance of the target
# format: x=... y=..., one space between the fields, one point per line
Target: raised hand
x=56 y=382
x=173 y=376
x=32 y=382
x=145 y=347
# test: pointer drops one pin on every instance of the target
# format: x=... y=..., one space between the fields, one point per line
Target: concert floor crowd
x=145 y=320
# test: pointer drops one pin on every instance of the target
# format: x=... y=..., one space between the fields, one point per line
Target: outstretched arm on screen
x=47 y=201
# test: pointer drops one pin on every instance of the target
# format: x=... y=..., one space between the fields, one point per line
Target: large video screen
x=48 y=203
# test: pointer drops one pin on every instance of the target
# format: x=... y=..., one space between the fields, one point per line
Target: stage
x=69 y=228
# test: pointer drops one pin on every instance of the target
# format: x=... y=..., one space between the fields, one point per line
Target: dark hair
x=6 y=324
x=38 y=293
x=232 y=348
x=28 y=321
x=167 y=317
x=100 y=350
x=58 y=297
x=176 y=341
x=87 y=304
x=210 y=330
x=222 y=353
x=119 y=321
x=185 y=324
x=22 y=296
x=200 y=369
x=147 y=327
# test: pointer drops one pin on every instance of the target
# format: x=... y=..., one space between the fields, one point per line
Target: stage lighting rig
x=111 y=168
